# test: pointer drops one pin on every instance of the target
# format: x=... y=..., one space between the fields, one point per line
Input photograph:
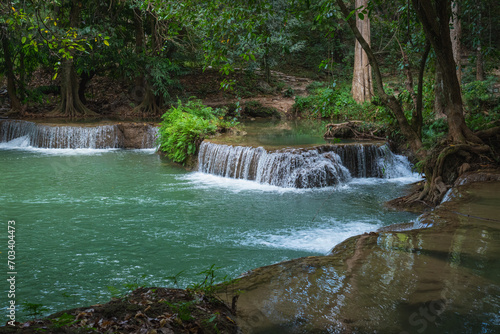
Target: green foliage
x=185 y=126
x=330 y=102
x=434 y=131
x=207 y=285
x=34 y=310
x=64 y=320
x=183 y=309
x=289 y=92
x=484 y=120
x=479 y=95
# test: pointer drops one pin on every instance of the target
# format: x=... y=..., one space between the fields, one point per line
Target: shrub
x=185 y=126
x=479 y=96
x=329 y=102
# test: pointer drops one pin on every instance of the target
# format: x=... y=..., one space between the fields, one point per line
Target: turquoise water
x=89 y=219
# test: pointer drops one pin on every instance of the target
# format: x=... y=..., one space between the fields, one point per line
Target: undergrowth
x=186 y=125
x=332 y=101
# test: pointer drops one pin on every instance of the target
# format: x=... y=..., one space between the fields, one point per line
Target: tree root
x=148 y=107
x=350 y=129
x=446 y=165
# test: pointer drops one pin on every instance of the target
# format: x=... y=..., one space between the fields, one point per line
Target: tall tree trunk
x=362 y=84
x=479 y=54
x=417 y=117
x=391 y=102
x=456 y=35
x=439 y=100
x=71 y=105
x=479 y=63
x=15 y=103
x=435 y=18
x=150 y=105
x=139 y=49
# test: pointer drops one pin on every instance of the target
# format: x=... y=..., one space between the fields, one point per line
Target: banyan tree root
x=352 y=129
x=448 y=164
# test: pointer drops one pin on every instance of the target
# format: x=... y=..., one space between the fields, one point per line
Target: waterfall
x=31 y=134
x=320 y=166
x=286 y=168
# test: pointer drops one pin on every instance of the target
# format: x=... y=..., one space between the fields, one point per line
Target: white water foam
x=206 y=181
x=24 y=144
x=319 y=239
x=407 y=179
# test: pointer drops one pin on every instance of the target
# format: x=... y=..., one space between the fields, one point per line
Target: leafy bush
x=479 y=96
x=329 y=102
x=185 y=126
x=434 y=131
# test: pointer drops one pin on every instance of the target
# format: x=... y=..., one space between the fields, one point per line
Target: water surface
x=88 y=219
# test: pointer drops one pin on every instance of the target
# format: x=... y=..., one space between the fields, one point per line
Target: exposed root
x=72 y=111
x=447 y=164
x=148 y=107
x=353 y=129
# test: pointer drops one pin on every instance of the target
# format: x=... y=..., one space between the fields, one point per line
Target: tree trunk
x=71 y=105
x=479 y=55
x=15 y=103
x=435 y=18
x=417 y=117
x=414 y=140
x=479 y=64
x=439 y=103
x=456 y=34
x=139 y=48
x=85 y=78
x=362 y=84
x=150 y=104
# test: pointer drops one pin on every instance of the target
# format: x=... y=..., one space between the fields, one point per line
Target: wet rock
x=384 y=282
x=137 y=135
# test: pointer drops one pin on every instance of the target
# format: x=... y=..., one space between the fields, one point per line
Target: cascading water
x=30 y=134
x=320 y=166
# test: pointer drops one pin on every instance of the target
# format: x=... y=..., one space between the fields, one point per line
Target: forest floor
x=143 y=311
x=113 y=98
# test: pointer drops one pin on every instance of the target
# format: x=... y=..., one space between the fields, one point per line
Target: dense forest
x=421 y=72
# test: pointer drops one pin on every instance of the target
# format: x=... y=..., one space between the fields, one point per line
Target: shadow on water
x=443 y=279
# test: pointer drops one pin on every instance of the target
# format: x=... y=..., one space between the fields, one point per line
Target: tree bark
x=15 y=103
x=150 y=104
x=414 y=140
x=139 y=46
x=418 y=118
x=435 y=17
x=85 y=78
x=479 y=64
x=456 y=35
x=71 y=105
x=479 y=55
x=362 y=84
x=439 y=103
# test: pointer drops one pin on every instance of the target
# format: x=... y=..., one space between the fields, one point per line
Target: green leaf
x=54 y=77
x=361 y=16
x=106 y=42
x=23 y=40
